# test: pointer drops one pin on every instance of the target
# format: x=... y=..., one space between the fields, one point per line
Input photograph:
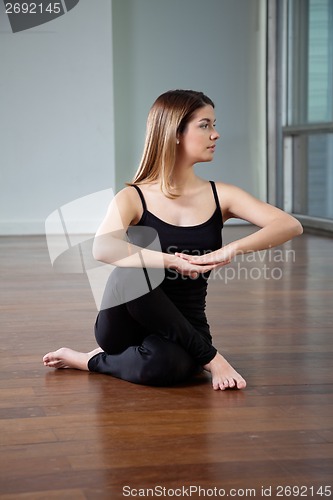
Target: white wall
x=57 y=133
x=57 y=139
x=217 y=46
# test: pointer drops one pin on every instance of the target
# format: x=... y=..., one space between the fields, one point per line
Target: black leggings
x=148 y=340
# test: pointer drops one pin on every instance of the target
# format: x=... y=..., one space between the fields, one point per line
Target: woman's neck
x=184 y=179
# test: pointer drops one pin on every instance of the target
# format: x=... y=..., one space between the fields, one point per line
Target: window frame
x=287 y=144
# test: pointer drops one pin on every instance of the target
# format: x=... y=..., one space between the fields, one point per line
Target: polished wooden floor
x=73 y=435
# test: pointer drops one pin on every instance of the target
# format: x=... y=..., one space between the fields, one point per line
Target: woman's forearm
x=143 y=257
x=274 y=234
x=114 y=250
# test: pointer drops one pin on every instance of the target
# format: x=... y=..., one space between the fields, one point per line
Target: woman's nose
x=214 y=135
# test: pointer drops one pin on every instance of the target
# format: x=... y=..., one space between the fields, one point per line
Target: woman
x=162 y=336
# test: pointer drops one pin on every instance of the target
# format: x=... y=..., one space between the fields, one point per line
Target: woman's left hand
x=220 y=257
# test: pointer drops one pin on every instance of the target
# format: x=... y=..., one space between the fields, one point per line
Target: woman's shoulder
x=127 y=194
x=230 y=195
x=225 y=190
x=127 y=199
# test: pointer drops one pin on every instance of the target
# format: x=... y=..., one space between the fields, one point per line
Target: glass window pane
x=313 y=175
x=310 y=62
x=320 y=61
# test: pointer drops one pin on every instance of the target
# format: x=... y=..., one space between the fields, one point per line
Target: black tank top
x=188 y=293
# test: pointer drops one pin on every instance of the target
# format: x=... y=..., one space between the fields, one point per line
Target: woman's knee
x=166 y=363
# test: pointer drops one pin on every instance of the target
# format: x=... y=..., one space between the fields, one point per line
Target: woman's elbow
x=296 y=227
x=98 y=252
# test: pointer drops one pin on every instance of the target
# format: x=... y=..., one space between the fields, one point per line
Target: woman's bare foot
x=223 y=374
x=68 y=358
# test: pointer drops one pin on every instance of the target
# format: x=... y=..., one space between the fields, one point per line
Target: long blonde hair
x=167 y=118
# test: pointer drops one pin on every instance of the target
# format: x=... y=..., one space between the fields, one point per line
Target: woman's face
x=197 y=142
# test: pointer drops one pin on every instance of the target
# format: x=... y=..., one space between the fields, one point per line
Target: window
x=307 y=88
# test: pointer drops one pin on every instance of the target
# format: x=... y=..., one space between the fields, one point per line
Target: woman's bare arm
x=277 y=227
